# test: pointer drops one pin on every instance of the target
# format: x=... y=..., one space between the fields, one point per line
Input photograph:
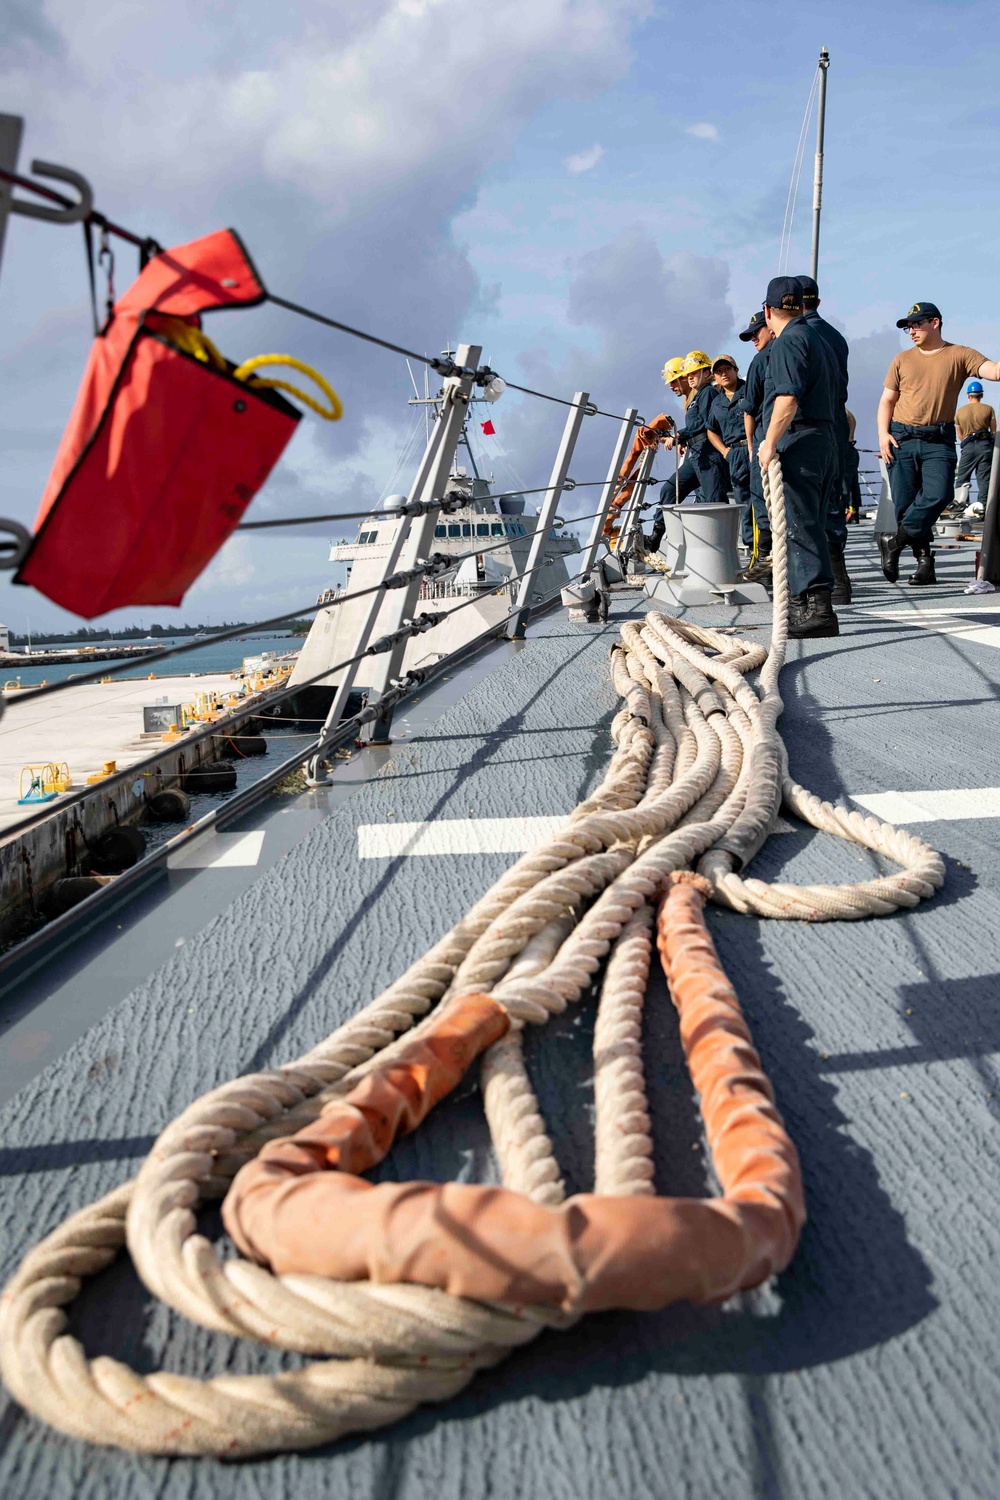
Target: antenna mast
x=824 y=64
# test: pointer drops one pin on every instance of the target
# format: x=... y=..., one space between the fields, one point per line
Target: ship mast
x=824 y=65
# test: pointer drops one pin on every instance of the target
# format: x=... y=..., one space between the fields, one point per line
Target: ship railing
x=448 y=589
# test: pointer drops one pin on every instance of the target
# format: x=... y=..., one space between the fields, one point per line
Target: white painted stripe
x=455 y=836
x=219 y=851
x=469 y=836
x=933 y=807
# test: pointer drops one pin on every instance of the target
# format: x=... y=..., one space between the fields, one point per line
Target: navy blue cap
x=917 y=311
x=756 y=323
x=809 y=288
x=784 y=293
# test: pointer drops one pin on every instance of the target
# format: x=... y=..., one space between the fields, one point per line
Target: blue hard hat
x=974 y=388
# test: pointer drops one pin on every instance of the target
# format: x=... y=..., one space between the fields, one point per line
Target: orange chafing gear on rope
x=646 y=437
x=591 y=1253
x=166 y=446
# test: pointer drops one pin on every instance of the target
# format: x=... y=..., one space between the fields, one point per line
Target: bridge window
x=496 y=529
x=466 y=529
x=440 y=531
x=482 y=530
x=454 y=531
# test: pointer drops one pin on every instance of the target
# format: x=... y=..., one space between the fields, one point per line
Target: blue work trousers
x=922 y=477
x=757 y=506
x=976 y=458
x=809 y=466
x=703 y=469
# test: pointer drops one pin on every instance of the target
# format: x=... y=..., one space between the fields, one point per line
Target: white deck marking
x=219 y=851
x=468 y=836
x=933 y=807
x=455 y=836
x=515 y=835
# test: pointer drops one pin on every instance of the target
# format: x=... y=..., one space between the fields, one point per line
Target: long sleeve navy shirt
x=752 y=403
x=725 y=416
x=694 y=433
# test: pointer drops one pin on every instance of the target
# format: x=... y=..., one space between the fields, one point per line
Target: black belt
x=798 y=426
x=932 y=432
x=983 y=432
x=737 y=443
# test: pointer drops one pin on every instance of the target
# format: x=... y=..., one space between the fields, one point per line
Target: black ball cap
x=809 y=287
x=756 y=323
x=917 y=312
x=784 y=293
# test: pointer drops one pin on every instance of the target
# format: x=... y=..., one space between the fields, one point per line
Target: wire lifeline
x=696 y=777
x=408 y=628
x=448 y=505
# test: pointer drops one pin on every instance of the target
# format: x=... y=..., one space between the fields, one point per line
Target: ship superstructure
x=489 y=536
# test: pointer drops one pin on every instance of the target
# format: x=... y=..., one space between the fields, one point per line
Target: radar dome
x=394 y=502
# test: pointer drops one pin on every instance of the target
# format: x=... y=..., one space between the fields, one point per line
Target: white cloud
x=638 y=308
x=703 y=131
x=342 y=146
x=583 y=161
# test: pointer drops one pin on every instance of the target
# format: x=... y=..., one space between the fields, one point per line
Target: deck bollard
x=702 y=557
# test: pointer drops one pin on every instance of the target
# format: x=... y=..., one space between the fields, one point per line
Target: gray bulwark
x=869 y=1369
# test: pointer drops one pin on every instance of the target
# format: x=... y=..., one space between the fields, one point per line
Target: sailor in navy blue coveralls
x=801 y=391
x=725 y=425
x=703 y=468
x=753 y=404
x=836 y=521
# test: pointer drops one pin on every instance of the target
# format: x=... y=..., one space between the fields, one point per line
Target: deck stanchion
x=608 y=492
x=11 y=127
x=630 y=533
x=547 y=513
x=428 y=468
x=429 y=485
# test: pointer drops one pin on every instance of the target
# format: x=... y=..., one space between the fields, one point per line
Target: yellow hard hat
x=673 y=369
x=696 y=360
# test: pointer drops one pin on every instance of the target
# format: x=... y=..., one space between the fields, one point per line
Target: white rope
x=696 y=779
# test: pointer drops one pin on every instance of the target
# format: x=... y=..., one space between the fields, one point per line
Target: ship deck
x=871 y=1367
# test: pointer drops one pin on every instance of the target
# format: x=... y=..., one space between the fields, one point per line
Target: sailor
x=916 y=434
x=726 y=431
x=756 y=525
x=836 y=524
x=703 y=468
x=976 y=424
x=801 y=394
x=673 y=378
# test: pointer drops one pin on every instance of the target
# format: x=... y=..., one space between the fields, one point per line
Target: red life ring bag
x=163 y=452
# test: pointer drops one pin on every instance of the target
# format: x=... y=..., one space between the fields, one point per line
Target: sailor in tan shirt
x=975 y=423
x=916 y=433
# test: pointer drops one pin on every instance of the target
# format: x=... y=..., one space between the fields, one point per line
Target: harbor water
x=209 y=656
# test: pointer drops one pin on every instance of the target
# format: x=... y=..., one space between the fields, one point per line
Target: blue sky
x=585 y=187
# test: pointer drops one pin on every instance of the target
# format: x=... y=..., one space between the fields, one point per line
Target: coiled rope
x=695 y=782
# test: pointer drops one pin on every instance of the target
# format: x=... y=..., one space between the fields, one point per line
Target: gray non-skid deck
x=871 y=1367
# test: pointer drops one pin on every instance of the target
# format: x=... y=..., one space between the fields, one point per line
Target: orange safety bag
x=163 y=451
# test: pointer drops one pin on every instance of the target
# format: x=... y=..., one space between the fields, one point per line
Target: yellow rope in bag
x=192 y=341
x=246 y=369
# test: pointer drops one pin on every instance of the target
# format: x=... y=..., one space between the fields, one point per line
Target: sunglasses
x=917 y=323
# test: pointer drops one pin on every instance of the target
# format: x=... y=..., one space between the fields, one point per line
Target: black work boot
x=759 y=571
x=890 y=547
x=841 y=583
x=811 y=615
x=656 y=535
x=924 y=572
